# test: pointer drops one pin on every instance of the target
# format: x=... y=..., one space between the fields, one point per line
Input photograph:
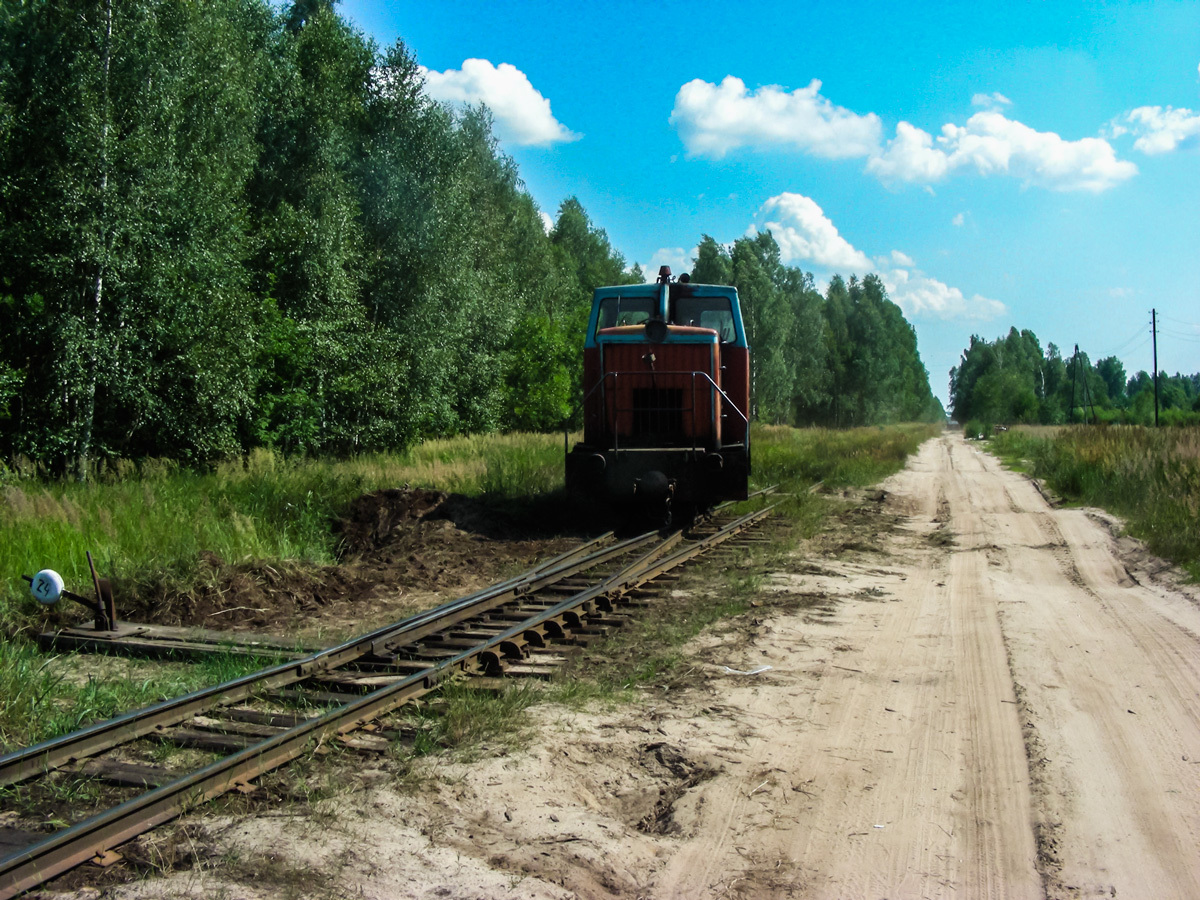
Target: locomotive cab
x=666 y=379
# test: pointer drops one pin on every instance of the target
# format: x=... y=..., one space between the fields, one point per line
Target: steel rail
x=762 y=492
x=67 y=848
x=86 y=742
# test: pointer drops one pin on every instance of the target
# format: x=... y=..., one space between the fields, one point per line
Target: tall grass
x=1150 y=477
x=156 y=519
x=797 y=457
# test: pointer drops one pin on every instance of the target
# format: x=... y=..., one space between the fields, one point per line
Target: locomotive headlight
x=656 y=331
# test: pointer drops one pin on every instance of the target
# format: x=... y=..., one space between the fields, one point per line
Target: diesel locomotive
x=666 y=408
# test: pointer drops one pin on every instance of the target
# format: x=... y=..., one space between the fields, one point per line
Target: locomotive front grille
x=658 y=415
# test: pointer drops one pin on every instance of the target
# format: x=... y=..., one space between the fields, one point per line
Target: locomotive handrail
x=693 y=373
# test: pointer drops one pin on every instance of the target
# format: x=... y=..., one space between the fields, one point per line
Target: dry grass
x=1149 y=476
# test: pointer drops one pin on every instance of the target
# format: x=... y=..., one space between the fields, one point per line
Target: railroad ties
x=226 y=736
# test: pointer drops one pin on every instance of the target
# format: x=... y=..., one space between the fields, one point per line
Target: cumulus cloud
x=993 y=99
x=920 y=295
x=805 y=234
x=990 y=143
x=958 y=220
x=547 y=221
x=909 y=156
x=713 y=119
x=522 y=115
x=1159 y=129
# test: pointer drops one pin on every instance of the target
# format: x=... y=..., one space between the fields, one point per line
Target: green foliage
x=847 y=359
x=228 y=225
x=1010 y=380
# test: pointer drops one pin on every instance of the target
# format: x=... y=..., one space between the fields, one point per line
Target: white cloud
x=918 y=294
x=990 y=100
x=547 y=221
x=805 y=234
x=714 y=119
x=1161 y=130
x=958 y=220
x=677 y=258
x=521 y=113
x=910 y=156
x=992 y=144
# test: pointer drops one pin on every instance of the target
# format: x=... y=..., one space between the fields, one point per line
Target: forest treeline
x=229 y=225
x=1011 y=379
x=843 y=359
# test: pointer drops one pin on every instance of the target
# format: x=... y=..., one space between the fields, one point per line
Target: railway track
x=239 y=730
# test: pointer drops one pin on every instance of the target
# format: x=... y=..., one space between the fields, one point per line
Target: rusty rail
x=85 y=840
x=86 y=742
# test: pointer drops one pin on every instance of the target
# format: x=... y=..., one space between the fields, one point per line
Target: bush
x=976 y=430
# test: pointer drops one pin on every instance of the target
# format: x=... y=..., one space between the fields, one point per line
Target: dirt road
x=980 y=696
x=1016 y=717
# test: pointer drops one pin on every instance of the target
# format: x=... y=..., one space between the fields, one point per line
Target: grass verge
x=144 y=523
x=1150 y=477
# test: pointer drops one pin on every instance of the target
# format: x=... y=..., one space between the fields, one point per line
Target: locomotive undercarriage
x=665 y=483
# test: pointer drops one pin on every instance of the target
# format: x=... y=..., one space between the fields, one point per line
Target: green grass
x=150 y=524
x=1150 y=477
x=40 y=697
x=796 y=458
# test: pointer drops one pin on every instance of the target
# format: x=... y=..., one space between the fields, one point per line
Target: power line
x=1179 y=321
x=1133 y=337
x=1181 y=336
x=1132 y=350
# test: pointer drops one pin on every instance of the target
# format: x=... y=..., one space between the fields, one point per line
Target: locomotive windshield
x=625 y=311
x=706 y=312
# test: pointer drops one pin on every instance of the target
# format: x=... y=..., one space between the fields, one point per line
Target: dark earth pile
x=401 y=550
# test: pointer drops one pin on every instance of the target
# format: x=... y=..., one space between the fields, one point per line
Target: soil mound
x=400 y=549
x=383 y=517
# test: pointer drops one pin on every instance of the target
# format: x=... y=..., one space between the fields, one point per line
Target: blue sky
x=1027 y=164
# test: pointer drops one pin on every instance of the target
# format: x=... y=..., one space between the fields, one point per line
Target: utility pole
x=1074 y=360
x=1154 y=334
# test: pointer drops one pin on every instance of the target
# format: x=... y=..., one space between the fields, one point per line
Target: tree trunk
x=94 y=303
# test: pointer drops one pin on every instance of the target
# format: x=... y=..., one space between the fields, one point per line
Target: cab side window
x=706 y=312
x=616 y=311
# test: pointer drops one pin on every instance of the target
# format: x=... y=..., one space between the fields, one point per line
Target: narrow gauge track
x=487 y=633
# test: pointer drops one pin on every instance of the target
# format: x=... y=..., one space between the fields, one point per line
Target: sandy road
x=1016 y=716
